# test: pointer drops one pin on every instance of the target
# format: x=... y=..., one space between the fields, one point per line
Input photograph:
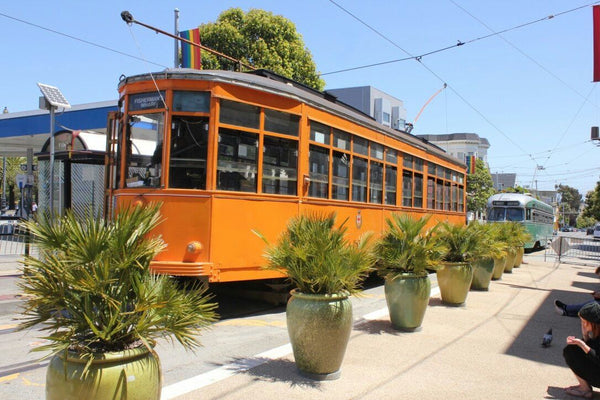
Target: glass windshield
x=514 y=214
x=144 y=150
x=496 y=214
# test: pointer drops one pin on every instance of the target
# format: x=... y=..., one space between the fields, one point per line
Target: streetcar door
x=111 y=163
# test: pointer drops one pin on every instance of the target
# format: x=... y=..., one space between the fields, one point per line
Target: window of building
x=189 y=147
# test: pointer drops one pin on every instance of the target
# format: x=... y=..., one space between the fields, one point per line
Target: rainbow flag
x=471 y=162
x=190 y=55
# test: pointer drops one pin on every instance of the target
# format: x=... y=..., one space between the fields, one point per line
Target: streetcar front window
x=144 y=150
x=189 y=146
x=515 y=214
x=496 y=214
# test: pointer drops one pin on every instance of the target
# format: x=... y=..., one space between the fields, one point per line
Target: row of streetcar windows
x=342 y=166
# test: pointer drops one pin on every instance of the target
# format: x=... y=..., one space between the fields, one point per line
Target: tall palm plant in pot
x=519 y=236
x=483 y=259
x=325 y=269
x=405 y=251
x=456 y=274
x=91 y=289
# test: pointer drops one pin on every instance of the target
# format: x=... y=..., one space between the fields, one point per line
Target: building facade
x=461 y=145
x=386 y=109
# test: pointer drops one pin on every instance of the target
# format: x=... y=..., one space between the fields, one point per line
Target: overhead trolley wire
x=80 y=40
x=416 y=58
x=458 y=43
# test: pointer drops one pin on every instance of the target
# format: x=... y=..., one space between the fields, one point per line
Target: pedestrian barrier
x=13 y=239
x=574 y=250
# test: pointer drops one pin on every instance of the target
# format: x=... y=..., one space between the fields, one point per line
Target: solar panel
x=53 y=96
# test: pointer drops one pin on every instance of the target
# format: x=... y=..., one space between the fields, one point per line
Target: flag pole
x=176 y=42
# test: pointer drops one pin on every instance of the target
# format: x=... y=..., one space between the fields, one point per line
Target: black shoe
x=560 y=307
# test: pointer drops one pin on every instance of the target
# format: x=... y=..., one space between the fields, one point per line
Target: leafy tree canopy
x=592 y=203
x=569 y=204
x=479 y=187
x=261 y=39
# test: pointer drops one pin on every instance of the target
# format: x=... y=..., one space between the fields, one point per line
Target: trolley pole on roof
x=176 y=55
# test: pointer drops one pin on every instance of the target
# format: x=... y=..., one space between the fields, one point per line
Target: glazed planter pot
x=454 y=280
x=407 y=297
x=126 y=375
x=510 y=261
x=319 y=327
x=519 y=258
x=499 y=264
x=483 y=269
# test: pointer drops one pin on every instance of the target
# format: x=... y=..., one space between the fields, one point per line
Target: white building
x=461 y=145
x=386 y=109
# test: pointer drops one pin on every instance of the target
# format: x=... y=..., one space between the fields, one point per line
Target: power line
x=458 y=44
x=79 y=39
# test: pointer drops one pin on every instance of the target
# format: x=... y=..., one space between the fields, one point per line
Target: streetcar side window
x=359 y=178
x=376 y=182
x=280 y=122
x=239 y=114
x=418 y=200
x=340 y=189
x=407 y=188
x=144 y=150
x=391 y=175
x=280 y=166
x=430 y=192
x=318 y=160
x=189 y=147
x=237 y=160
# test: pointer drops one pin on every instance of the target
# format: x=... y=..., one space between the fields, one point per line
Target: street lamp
x=51 y=100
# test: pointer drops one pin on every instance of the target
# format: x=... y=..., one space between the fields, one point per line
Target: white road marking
x=208 y=378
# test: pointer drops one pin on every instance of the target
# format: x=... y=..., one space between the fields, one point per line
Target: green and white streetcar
x=535 y=215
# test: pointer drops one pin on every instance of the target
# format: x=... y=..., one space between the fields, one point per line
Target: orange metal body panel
x=209 y=232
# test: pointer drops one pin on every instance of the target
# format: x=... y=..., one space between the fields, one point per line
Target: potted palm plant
x=456 y=273
x=498 y=234
x=483 y=259
x=405 y=251
x=91 y=289
x=519 y=236
x=325 y=269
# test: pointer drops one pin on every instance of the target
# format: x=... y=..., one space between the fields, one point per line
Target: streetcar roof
x=518 y=200
x=282 y=86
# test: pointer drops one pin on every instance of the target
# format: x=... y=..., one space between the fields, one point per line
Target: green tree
x=479 y=187
x=592 y=203
x=569 y=204
x=585 y=222
x=261 y=39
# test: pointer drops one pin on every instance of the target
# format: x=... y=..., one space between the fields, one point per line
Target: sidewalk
x=488 y=349
x=9 y=295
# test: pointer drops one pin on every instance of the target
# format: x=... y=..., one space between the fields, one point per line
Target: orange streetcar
x=229 y=152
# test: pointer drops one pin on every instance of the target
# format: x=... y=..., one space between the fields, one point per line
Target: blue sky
x=529 y=91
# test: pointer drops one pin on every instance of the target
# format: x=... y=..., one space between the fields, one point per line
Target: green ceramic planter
x=407 y=297
x=510 y=261
x=520 y=254
x=319 y=327
x=483 y=269
x=498 y=268
x=454 y=280
x=127 y=375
